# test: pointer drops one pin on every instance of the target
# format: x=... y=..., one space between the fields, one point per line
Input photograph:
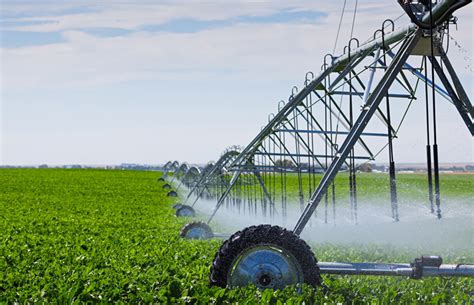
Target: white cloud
x=131 y=15
x=243 y=52
x=255 y=49
x=248 y=50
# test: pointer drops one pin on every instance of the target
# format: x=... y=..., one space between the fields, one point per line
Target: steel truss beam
x=366 y=114
x=344 y=66
x=201 y=184
x=462 y=103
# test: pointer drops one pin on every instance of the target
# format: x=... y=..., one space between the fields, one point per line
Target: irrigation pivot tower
x=367 y=75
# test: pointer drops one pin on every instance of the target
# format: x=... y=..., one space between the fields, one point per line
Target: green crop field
x=376 y=186
x=71 y=236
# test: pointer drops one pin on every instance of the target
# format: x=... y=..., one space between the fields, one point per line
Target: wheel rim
x=186 y=212
x=265 y=266
x=197 y=233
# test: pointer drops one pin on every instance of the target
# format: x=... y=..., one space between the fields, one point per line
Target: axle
x=426 y=266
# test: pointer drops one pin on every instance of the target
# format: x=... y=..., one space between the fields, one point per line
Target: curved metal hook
x=389 y=21
x=281 y=104
x=375 y=33
x=270 y=117
x=294 y=90
x=325 y=56
x=349 y=44
x=345 y=49
x=383 y=29
x=307 y=79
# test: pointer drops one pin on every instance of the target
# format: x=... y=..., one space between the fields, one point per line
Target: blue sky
x=142 y=81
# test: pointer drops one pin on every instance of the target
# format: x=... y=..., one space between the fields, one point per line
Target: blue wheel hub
x=185 y=212
x=197 y=233
x=265 y=266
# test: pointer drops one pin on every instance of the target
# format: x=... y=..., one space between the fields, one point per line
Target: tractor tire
x=185 y=211
x=177 y=206
x=196 y=230
x=269 y=257
x=172 y=194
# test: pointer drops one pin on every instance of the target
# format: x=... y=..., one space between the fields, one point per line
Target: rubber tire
x=166 y=186
x=177 y=206
x=183 y=208
x=161 y=179
x=172 y=194
x=261 y=235
x=195 y=224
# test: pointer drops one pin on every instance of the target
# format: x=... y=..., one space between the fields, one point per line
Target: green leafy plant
x=69 y=236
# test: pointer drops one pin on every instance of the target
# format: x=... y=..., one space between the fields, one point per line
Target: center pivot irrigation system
x=347 y=115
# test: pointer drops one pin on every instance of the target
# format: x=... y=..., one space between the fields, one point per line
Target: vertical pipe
x=298 y=160
x=352 y=175
x=308 y=135
x=326 y=196
x=333 y=151
x=435 y=136
x=351 y=197
x=327 y=84
x=428 y=141
x=392 y=176
x=436 y=180
x=393 y=181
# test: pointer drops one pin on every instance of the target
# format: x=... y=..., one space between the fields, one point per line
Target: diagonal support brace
x=367 y=112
